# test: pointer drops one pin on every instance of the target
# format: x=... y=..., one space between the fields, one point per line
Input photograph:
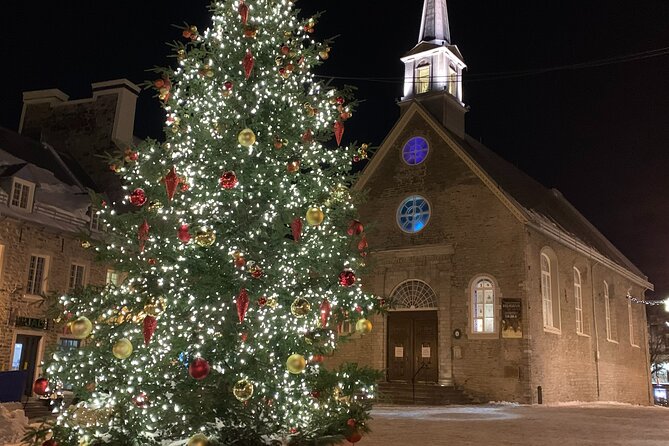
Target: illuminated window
x=483 y=306
x=422 y=79
x=415 y=151
x=114 y=277
x=413 y=214
x=578 y=301
x=453 y=80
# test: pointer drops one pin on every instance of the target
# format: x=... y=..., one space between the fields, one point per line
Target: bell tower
x=433 y=70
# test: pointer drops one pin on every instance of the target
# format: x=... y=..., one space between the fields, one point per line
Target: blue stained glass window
x=415 y=151
x=413 y=214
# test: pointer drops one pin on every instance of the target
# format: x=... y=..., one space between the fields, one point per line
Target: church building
x=497 y=287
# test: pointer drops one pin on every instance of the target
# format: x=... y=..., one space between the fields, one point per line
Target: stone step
x=421 y=393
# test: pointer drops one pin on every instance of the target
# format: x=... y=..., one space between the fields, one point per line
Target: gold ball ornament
x=243 y=390
x=272 y=303
x=122 y=349
x=246 y=137
x=315 y=216
x=296 y=364
x=205 y=237
x=86 y=244
x=363 y=326
x=300 y=307
x=81 y=327
x=198 y=440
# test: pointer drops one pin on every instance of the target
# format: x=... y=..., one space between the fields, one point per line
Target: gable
x=530 y=202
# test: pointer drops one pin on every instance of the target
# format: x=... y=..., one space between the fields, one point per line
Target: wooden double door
x=413 y=346
x=26 y=350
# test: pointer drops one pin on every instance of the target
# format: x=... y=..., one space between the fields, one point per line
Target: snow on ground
x=13 y=423
x=585 y=424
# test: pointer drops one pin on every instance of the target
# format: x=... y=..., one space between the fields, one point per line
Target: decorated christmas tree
x=240 y=252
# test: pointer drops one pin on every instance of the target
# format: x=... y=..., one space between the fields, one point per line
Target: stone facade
x=20 y=240
x=475 y=230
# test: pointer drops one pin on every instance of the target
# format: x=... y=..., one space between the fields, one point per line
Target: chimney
x=50 y=97
x=124 y=120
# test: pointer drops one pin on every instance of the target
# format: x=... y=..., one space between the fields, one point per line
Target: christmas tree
x=241 y=254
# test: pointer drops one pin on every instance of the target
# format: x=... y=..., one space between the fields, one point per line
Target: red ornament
x=285 y=50
x=242 y=304
x=199 y=369
x=51 y=442
x=143 y=235
x=41 y=386
x=228 y=180
x=138 y=197
x=248 y=64
x=318 y=358
x=131 y=156
x=240 y=261
x=243 y=12
x=339 y=100
x=316 y=394
x=184 y=234
x=140 y=400
x=307 y=136
x=354 y=436
x=257 y=273
x=355 y=228
x=296 y=228
x=172 y=180
x=325 y=312
x=363 y=245
x=244 y=337
x=152 y=261
x=184 y=187
x=351 y=422
x=347 y=278
x=262 y=301
x=150 y=324
x=339 y=131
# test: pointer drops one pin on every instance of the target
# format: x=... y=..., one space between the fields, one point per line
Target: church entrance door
x=412 y=346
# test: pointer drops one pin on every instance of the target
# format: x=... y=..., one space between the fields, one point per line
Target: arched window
x=483 y=306
x=607 y=312
x=422 y=78
x=413 y=214
x=578 y=301
x=415 y=151
x=413 y=295
x=550 y=296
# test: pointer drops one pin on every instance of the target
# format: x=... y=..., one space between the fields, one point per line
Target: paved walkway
x=501 y=425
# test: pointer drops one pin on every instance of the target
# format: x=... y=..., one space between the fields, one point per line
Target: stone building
x=45 y=210
x=498 y=286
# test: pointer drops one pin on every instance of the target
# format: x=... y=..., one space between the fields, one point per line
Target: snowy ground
x=507 y=424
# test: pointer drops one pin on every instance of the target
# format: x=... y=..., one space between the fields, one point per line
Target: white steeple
x=434 y=27
x=433 y=68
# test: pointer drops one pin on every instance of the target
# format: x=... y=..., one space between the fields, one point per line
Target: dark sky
x=600 y=135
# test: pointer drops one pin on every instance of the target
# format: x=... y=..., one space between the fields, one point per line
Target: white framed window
x=114 y=277
x=77 y=276
x=37 y=275
x=423 y=78
x=22 y=195
x=607 y=313
x=414 y=294
x=630 y=315
x=96 y=223
x=550 y=296
x=483 y=306
x=578 y=301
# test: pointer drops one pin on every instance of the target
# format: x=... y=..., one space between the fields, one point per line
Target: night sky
x=599 y=135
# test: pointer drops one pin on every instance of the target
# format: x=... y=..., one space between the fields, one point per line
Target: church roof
x=543 y=205
x=427 y=46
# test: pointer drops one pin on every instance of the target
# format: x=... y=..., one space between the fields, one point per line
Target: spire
x=434 y=27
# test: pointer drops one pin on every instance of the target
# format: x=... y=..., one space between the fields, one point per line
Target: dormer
x=22 y=195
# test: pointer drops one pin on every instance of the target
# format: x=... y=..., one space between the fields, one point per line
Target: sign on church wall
x=512 y=318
